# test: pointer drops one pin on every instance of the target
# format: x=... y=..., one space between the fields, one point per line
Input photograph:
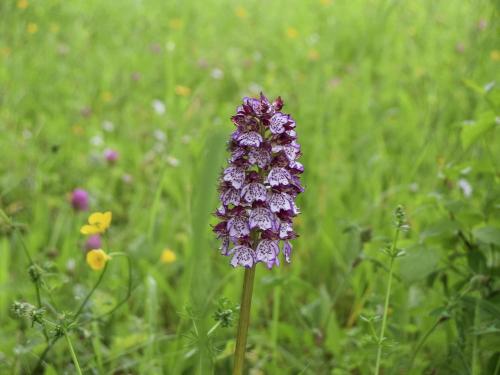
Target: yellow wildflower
x=176 y=24
x=182 y=90
x=106 y=96
x=495 y=55
x=168 y=256
x=22 y=4
x=98 y=223
x=97 y=259
x=292 y=33
x=241 y=12
x=32 y=28
x=325 y=2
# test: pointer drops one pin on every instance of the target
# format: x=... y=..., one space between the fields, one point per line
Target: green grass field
x=395 y=102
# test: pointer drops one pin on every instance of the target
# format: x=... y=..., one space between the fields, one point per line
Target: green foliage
x=396 y=103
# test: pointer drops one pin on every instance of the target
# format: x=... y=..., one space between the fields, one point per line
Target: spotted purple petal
x=239 y=120
x=280 y=202
x=237 y=154
x=267 y=252
x=295 y=181
x=224 y=246
x=221 y=211
x=296 y=166
x=259 y=156
x=277 y=123
x=242 y=256
x=235 y=175
x=238 y=227
x=253 y=139
x=278 y=176
x=291 y=150
x=287 y=250
x=230 y=196
x=254 y=192
x=262 y=218
x=286 y=229
x=254 y=104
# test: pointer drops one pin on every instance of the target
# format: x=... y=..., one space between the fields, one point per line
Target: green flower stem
x=423 y=340
x=82 y=306
x=50 y=344
x=475 y=363
x=241 y=338
x=212 y=330
x=129 y=285
x=73 y=354
x=41 y=360
x=384 y=319
x=36 y=282
x=275 y=321
x=393 y=254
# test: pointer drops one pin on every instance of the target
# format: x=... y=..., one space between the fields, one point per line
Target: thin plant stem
x=275 y=323
x=241 y=337
x=475 y=365
x=96 y=345
x=422 y=342
x=386 y=304
x=497 y=368
x=215 y=326
x=129 y=286
x=73 y=354
x=39 y=365
x=35 y=282
x=82 y=306
x=384 y=319
x=50 y=344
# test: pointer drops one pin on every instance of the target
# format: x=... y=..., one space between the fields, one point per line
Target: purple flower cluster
x=259 y=187
x=80 y=200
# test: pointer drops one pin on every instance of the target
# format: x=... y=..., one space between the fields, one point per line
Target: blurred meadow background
x=396 y=103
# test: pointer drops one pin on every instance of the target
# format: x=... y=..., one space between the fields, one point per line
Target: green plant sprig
x=393 y=252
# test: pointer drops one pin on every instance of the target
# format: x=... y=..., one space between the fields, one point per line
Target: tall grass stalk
x=384 y=318
x=393 y=252
x=241 y=337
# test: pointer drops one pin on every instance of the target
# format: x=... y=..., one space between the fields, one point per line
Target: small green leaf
x=474 y=86
x=487 y=234
x=418 y=263
x=441 y=229
x=476 y=261
x=50 y=370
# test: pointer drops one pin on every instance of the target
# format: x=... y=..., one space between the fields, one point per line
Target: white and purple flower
x=259 y=186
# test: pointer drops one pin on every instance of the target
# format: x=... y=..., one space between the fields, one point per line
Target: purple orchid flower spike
x=259 y=186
